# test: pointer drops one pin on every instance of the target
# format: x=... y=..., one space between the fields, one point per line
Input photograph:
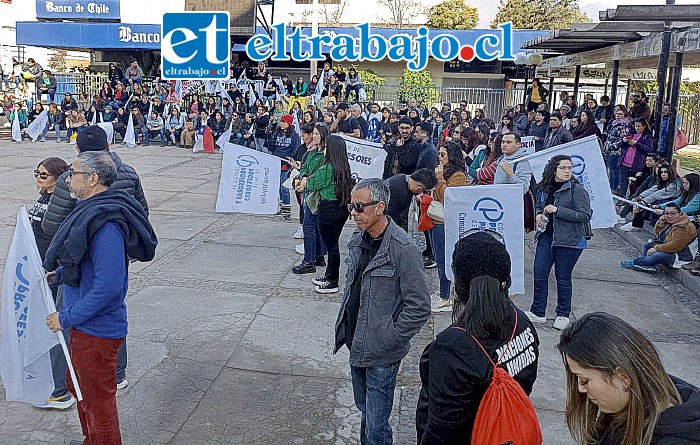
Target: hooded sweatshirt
x=680 y=424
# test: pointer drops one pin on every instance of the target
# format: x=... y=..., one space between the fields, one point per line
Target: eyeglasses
x=72 y=172
x=637 y=96
x=42 y=175
x=359 y=207
x=566 y=168
x=671 y=213
x=497 y=236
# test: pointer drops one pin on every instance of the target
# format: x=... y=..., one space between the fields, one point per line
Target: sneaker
x=299 y=234
x=627 y=264
x=692 y=266
x=650 y=269
x=286 y=218
x=441 y=305
x=58 y=141
x=299 y=248
x=560 y=323
x=304 y=268
x=319 y=280
x=63 y=402
x=327 y=288
x=621 y=220
x=43 y=139
x=122 y=384
x=320 y=262
x=429 y=263
x=534 y=318
x=629 y=228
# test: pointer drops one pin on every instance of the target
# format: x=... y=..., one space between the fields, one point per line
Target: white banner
x=16 y=132
x=527 y=144
x=250 y=181
x=36 y=128
x=366 y=158
x=25 y=367
x=109 y=129
x=130 y=135
x=589 y=169
x=494 y=207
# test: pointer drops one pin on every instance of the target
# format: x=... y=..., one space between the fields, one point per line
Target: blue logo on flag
x=490 y=208
x=195 y=45
x=579 y=165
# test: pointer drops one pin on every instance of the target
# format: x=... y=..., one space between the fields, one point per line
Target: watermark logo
x=490 y=208
x=415 y=49
x=195 y=45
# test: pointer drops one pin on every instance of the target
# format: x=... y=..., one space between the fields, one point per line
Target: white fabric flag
x=93 y=121
x=494 y=207
x=109 y=129
x=250 y=181
x=36 y=128
x=225 y=136
x=130 y=135
x=223 y=93
x=16 y=129
x=25 y=367
x=527 y=145
x=589 y=169
x=366 y=158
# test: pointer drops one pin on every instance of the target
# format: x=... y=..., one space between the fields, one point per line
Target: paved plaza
x=227 y=346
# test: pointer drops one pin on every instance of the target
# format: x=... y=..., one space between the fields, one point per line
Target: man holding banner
x=507 y=173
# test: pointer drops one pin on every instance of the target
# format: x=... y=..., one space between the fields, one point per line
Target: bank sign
x=414 y=47
x=78 y=10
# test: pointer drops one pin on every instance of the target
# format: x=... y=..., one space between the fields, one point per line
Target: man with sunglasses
x=640 y=108
x=385 y=303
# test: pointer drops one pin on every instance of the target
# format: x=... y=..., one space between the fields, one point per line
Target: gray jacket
x=394 y=300
x=522 y=172
x=573 y=215
x=557 y=137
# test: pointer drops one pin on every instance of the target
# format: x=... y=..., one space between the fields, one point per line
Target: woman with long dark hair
x=506 y=125
x=486 y=174
x=618 y=129
x=563 y=222
x=588 y=126
x=666 y=188
x=451 y=172
x=617 y=390
x=454 y=370
x=634 y=151
x=333 y=181
x=520 y=119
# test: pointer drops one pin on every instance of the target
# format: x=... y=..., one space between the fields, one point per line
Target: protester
x=667 y=186
x=647 y=178
x=174 y=125
x=115 y=75
x=402 y=154
x=538 y=129
x=520 y=172
x=57 y=121
x=154 y=127
x=262 y=120
x=536 y=95
x=618 y=129
x=664 y=130
x=486 y=174
x=563 y=223
x=427 y=153
x=75 y=123
x=454 y=370
x=283 y=144
x=618 y=391
x=556 y=134
x=403 y=188
x=46 y=84
x=93 y=246
x=640 y=109
x=384 y=265
x=634 y=150
x=345 y=123
x=588 y=126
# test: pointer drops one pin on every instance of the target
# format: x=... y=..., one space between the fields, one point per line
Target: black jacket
x=402 y=158
x=72 y=241
x=455 y=374
x=62 y=204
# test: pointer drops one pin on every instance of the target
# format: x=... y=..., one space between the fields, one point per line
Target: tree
x=452 y=14
x=539 y=14
x=57 y=61
x=400 y=11
x=417 y=85
x=332 y=15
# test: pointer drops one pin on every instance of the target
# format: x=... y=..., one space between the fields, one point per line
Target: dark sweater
x=400 y=200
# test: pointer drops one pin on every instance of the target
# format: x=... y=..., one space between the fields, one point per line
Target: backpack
x=506 y=415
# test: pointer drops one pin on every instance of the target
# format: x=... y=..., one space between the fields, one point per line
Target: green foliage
x=539 y=14
x=452 y=14
x=57 y=61
x=417 y=85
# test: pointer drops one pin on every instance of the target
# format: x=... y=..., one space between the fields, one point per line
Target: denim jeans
x=59 y=365
x=313 y=245
x=260 y=145
x=612 y=162
x=563 y=259
x=95 y=363
x=373 y=389
x=148 y=134
x=437 y=239
x=656 y=258
x=121 y=362
x=284 y=191
x=331 y=220
x=624 y=172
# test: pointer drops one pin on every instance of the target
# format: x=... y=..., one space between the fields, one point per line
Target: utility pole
x=314 y=32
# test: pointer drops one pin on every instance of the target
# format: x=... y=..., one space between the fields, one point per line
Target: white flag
x=16 y=129
x=366 y=158
x=130 y=136
x=225 y=136
x=488 y=207
x=36 y=128
x=25 y=367
x=109 y=129
x=589 y=169
x=250 y=181
x=93 y=121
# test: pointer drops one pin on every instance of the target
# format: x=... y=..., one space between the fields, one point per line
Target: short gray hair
x=355 y=107
x=101 y=163
x=377 y=189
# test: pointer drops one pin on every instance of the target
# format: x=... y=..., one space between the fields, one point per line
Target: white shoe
x=621 y=220
x=299 y=248
x=561 y=323
x=628 y=228
x=123 y=384
x=319 y=280
x=441 y=306
x=64 y=402
x=534 y=318
x=299 y=234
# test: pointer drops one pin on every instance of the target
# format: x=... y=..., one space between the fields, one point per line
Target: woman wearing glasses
x=563 y=221
x=451 y=172
x=667 y=187
x=333 y=181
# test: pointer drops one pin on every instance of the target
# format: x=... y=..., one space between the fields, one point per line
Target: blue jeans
x=356 y=89
x=148 y=134
x=121 y=362
x=437 y=239
x=284 y=191
x=563 y=259
x=260 y=145
x=373 y=389
x=313 y=246
x=656 y=258
x=624 y=173
x=611 y=161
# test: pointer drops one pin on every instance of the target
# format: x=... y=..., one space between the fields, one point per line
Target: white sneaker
x=319 y=280
x=534 y=318
x=299 y=248
x=561 y=323
x=441 y=306
x=628 y=228
x=123 y=384
x=299 y=234
x=64 y=402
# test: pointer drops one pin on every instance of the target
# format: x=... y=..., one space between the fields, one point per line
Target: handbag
x=424 y=221
x=436 y=211
x=313 y=200
x=681 y=140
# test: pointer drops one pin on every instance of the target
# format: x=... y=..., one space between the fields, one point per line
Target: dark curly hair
x=455 y=159
x=549 y=173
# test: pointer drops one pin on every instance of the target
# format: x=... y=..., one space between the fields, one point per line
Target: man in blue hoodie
x=92 y=247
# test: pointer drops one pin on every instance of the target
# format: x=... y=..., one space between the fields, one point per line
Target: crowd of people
x=617 y=392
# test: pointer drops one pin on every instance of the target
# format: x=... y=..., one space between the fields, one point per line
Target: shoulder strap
x=515 y=328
